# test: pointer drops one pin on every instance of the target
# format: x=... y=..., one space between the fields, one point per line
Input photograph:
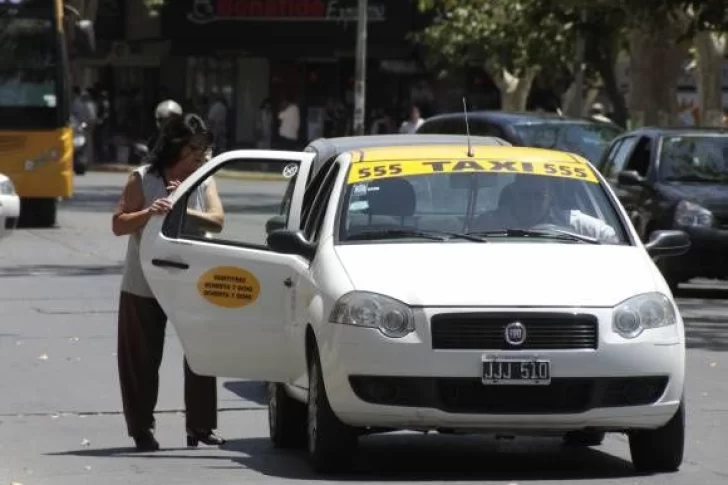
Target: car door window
x=620 y=158
x=312 y=189
x=639 y=160
x=312 y=229
x=608 y=159
x=485 y=128
x=250 y=200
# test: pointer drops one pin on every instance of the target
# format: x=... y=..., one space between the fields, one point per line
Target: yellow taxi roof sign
x=451 y=152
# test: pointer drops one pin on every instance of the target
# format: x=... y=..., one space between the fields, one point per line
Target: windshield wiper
x=419 y=233
x=544 y=233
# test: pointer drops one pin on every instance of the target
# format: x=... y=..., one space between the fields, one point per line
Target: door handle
x=288 y=282
x=165 y=263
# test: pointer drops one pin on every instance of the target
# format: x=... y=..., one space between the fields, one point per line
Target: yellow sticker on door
x=229 y=287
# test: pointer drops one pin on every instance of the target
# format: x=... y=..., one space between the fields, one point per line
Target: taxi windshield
x=477 y=200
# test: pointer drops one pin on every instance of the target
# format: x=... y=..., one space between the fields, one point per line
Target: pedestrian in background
x=290 y=123
x=162 y=113
x=410 y=125
x=264 y=125
x=182 y=147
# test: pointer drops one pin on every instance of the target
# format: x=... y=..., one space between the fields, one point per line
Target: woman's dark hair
x=176 y=132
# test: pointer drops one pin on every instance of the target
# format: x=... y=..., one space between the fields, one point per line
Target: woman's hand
x=160 y=206
x=173 y=185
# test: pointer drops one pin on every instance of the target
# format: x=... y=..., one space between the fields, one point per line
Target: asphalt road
x=60 y=420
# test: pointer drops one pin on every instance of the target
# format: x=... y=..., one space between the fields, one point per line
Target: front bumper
x=374 y=381
x=707 y=257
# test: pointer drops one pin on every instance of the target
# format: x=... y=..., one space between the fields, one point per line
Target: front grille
x=486 y=331
x=469 y=396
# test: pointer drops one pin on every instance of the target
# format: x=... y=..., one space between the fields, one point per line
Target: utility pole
x=360 y=86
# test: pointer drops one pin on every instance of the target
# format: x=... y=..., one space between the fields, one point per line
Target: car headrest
x=391 y=197
x=508 y=196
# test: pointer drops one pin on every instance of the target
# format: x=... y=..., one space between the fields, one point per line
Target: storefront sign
x=206 y=11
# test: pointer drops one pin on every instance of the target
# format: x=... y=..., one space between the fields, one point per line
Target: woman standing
x=179 y=151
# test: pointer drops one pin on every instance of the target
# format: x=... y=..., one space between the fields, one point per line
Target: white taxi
x=492 y=289
x=9 y=206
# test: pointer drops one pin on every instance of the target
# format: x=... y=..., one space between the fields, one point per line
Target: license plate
x=519 y=372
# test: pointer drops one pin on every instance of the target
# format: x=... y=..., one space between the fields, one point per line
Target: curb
x=223 y=174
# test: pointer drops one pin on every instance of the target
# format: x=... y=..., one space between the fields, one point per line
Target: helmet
x=165 y=109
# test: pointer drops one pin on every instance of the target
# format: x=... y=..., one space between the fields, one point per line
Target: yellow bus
x=36 y=139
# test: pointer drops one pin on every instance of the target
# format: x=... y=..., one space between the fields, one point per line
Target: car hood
x=500 y=273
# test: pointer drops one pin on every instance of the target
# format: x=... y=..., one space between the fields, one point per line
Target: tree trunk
x=604 y=64
x=656 y=62
x=514 y=90
x=711 y=50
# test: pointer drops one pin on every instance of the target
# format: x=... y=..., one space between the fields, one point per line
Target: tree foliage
x=500 y=34
x=154 y=6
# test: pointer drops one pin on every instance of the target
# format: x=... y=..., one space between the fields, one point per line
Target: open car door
x=225 y=292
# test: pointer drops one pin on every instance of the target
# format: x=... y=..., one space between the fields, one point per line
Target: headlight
x=7 y=187
x=363 y=309
x=691 y=214
x=651 y=310
x=79 y=141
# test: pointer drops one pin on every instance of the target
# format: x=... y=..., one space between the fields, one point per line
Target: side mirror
x=290 y=242
x=668 y=243
x=275 y=223
x=630 y=177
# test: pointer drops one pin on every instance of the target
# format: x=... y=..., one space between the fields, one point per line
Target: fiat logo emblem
x=515 y=333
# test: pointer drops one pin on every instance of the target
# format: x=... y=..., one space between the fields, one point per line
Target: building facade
x=249 y=51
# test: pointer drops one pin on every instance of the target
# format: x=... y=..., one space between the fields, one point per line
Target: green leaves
x=510 y=34
x=515 y=34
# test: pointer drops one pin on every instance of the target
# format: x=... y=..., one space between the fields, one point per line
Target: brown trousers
x=142 y=324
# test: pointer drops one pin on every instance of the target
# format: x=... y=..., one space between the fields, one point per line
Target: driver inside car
x=530 y=203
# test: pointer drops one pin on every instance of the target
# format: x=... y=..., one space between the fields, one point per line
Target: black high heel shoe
x=146 y=442
x=206 y=436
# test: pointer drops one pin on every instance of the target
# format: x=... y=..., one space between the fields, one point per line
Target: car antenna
x=467 y=128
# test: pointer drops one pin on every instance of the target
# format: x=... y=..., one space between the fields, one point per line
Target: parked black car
x=676 y=179
x=582 y=136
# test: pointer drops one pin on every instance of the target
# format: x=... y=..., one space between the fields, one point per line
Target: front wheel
x=38 y=212
x=286 y=418
x=331 y=443
x=661 y=449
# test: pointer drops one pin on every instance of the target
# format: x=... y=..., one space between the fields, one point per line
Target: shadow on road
x=96 y=198
x=61 y=270
x=253 y=391
x=699 y=292
x=706 y=333
x=411 y=457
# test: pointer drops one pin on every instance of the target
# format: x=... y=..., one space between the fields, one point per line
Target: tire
x=331 y=443
x=584 y=438
x=286 y=418
x=662 y=449
x=38 y=212
x=79 y=169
